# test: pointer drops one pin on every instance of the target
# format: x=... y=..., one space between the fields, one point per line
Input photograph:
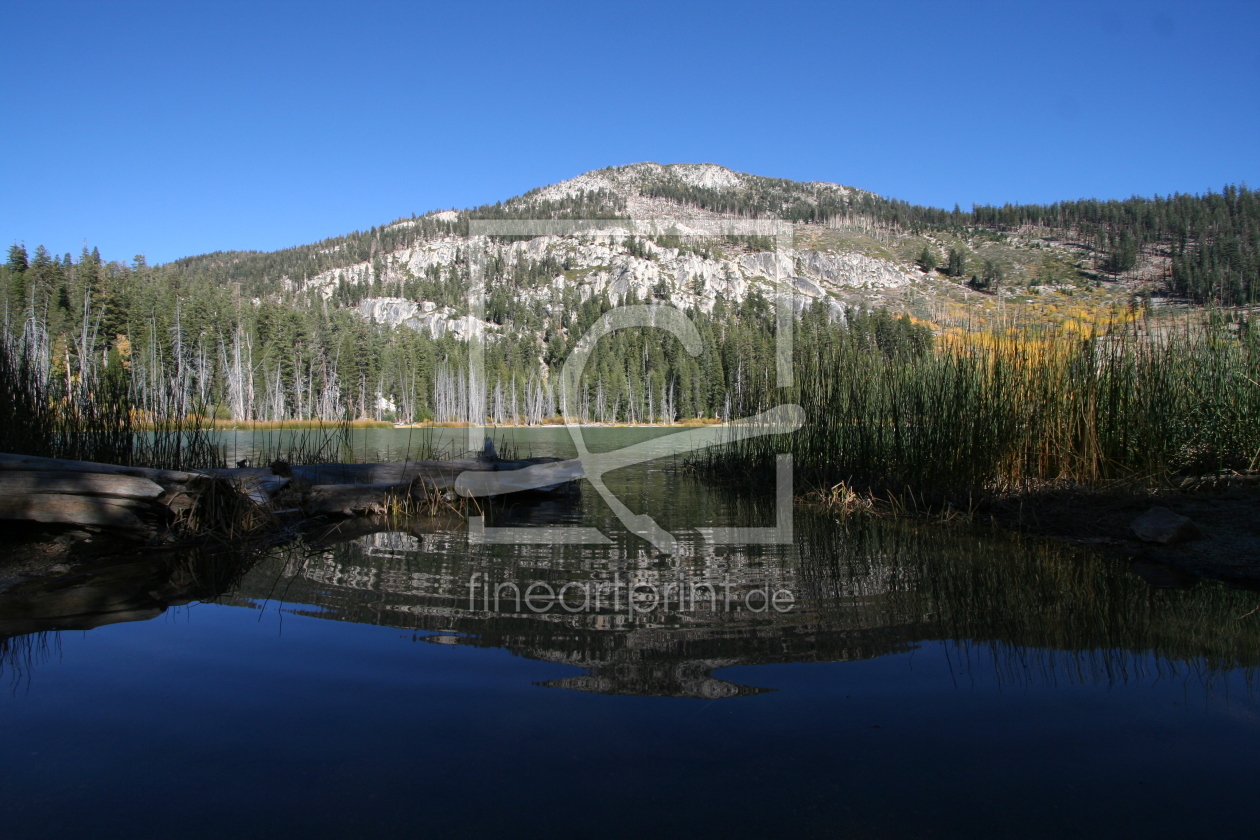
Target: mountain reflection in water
x=345 y=685
x=859 y=592
x=840 y=593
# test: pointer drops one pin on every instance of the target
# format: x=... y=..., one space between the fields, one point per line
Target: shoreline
x=1226 y=516
x=355 y=425
x=1226 y=548
x=1224 y=509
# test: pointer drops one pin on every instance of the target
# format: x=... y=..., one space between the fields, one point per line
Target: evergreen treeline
x=1214 y=239
x=193 y=345
x=258 y=272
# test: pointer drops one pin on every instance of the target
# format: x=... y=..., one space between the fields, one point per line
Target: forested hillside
x=375 y=323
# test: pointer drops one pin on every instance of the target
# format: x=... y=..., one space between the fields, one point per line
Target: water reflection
x=641 y=623
x=1040 y=611
x=116 y=589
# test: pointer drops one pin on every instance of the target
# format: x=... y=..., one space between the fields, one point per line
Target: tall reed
x=91 y=417
x=1003 y=411
x=52 y=417
x=317 y=443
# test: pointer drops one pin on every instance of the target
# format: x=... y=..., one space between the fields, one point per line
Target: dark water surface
x=925 y=682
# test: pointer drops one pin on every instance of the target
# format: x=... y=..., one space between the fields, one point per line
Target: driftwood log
x=138 y=502
x=23 y=482
x=352 y=499
x=115 y=514
x=30 y=462
x=369 y=489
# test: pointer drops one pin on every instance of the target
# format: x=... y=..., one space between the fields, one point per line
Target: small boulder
x=1161 y=525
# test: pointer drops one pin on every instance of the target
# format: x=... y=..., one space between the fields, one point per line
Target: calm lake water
x=874 y=680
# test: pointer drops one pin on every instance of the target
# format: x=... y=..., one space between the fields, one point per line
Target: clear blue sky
x=178 y=128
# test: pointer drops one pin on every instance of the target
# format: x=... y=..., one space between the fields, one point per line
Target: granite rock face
x=678 y=277
x=421 y=316
x=699 y=273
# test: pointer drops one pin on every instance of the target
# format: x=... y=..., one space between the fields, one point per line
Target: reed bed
x=221 y=513
x=1001 y=412
x=421 y=500
x=92 y=418
x=314 y=444
x=324 y=442
x=176 y=443
x=52 y=418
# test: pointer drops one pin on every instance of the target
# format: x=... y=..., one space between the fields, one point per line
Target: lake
x=868 y=679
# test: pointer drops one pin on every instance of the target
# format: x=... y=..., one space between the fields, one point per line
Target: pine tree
x=1123 y=256
x=992 y=275
x=45 y=272
x=18 y=262
x=926 y=260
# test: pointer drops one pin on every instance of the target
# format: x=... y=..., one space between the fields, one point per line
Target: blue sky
x=179 y=128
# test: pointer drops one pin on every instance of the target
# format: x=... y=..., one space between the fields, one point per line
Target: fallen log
x=240 y=473
x=100 y=511
x=262 y=490
x=109 y=495
x=10 y=462
x=436 y=474
x=24 y=482
x=540 y=477
x=402 y=472
x=352 y=499
x=259 y=483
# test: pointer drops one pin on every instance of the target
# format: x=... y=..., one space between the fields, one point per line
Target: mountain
x=375 y=323
x=851 y=249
